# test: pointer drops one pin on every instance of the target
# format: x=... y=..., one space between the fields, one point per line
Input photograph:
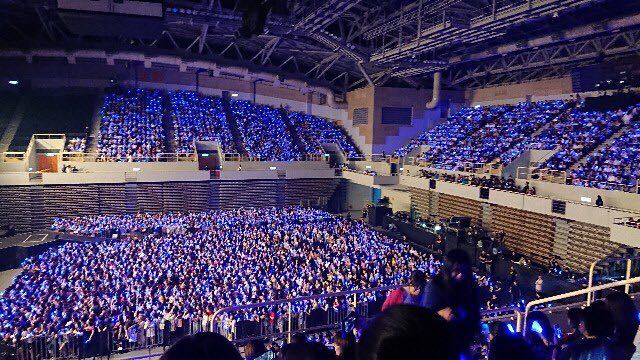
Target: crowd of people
x=76 y=144
x=438 y=319
x=492 y=182
x=502 y=133
x=616 y=166
x=312 y=129
x=582 y=132
x=180 y=268
x=499 y=134
x=199 y=117
x=444 y=136
x=131 y=126
x=264 y=132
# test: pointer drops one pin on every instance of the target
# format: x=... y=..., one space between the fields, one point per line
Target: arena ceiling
x=345 y=44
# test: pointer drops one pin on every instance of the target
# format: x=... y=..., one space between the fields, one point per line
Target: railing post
x=627 y=287
x=590 y=294
x=289 y=316
x=355 y=303
x=518 y=320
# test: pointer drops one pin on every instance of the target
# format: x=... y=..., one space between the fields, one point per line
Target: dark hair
x=306 y=351
x=597 y=319
x=417 y=279
x=253 y=349
x=299 y=338
x=509 y=347
x=347 y=342
x=574 y=315
x=624 y=315
x=497 y=328
x=202 y=346
x=407 y=332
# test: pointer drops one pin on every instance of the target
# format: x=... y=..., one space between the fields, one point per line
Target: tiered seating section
x=444 y=136
x=8 y=103
x=312 y=129
x=53 y=114
x=583 y=132
x=264 y=132
x=614 y=166
x=480 y=135
x=499 y=135
x=200 y=118
x=131 y=127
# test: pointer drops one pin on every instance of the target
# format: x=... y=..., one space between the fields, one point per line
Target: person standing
x=538 y=287
x=412 y=294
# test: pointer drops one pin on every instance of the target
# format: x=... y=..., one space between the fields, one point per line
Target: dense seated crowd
x=75 y=144
x=313 y=129
x=616 y=166
x=447 y=135
x=198 y=117
x=265 y=134
x=500 y=133
x=170 y=267
x=307 y=133
x=582 y=132
x=131 y=126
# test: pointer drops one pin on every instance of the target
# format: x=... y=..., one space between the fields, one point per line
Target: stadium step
x=14 y=123
x=608 y=141
x=167 y=125
x=236 y=134
x=94 y=129
x=292 y=130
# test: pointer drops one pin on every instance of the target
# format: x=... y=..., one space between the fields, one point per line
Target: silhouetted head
x=509 y=347
x=624 y=315
x=202 y=346
x=407 y=332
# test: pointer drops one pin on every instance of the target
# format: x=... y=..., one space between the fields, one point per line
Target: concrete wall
x=358 y=196
x=53 y=75
x=602 y=216
x=386 y=138
x=400 y=200
x=519 y=92
x=279 y=165
x=614 y=199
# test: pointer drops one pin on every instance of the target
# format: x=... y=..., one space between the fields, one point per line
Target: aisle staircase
x=604 y=144
x=236 y=134
x=295 y=137
x=167 y=125
x=94 y=129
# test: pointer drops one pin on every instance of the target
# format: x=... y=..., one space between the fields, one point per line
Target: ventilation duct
x=435 y=99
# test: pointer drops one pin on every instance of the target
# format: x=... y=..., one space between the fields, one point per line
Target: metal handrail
x=218 y=312
x=303 y=298
x=592 y=269
x=576 y=293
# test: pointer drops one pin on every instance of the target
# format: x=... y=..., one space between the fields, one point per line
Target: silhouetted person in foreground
x=407 y=332
x=202 y=346
x=625 y=323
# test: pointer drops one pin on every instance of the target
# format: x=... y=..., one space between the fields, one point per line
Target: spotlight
x=511 y=329
x=234 y=95
x=13 y=82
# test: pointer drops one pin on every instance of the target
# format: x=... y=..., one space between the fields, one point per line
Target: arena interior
x=303 y=179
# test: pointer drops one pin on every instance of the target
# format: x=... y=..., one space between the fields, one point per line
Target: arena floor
x=6 y=278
